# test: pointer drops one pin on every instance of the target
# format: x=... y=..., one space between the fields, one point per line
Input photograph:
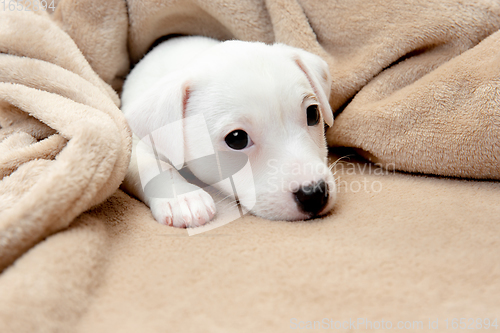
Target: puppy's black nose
x=313 y=198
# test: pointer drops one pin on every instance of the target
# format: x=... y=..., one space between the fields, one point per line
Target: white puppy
x=265 y=104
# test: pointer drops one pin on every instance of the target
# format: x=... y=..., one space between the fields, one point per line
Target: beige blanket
x=416 y=87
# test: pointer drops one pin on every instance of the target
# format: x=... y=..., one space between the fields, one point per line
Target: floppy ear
x=317 y=72
x=159 y=114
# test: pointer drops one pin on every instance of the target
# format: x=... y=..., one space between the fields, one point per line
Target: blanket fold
x=446 y=122
x=76 y=142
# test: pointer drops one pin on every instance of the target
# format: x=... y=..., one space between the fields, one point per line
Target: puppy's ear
x=159 y=114
x=317 y=72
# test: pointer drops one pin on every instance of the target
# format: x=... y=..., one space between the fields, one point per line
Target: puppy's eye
x=238 y=139
x=312 y=115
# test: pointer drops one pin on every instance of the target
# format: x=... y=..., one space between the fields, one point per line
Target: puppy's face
x=269 y=103
x=266 y=103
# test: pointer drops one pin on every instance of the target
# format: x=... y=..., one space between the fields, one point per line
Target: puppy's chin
x=292 y=214
x=284 y=206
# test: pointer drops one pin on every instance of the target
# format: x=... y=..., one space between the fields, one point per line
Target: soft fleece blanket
x=416 y=88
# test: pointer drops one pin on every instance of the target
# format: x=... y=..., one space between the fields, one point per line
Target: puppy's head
x=266 y=103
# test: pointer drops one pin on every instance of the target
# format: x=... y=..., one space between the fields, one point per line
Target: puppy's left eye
x=238 y=140
x=312 y=115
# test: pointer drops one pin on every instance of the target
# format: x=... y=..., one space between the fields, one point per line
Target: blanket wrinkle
x=415 y=90
x=452 y=130
x=90 y=151
x=99 y=29
x=32 y=36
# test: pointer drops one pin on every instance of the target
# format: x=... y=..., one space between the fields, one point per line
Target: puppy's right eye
x=238 y=139
x=312 y=115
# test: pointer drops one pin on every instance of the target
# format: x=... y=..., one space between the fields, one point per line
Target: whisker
x=331 y=166
x=230 y=205
x=223 y=199
x=235 y=204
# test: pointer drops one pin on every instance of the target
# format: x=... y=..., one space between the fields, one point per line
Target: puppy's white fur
x=262 y=89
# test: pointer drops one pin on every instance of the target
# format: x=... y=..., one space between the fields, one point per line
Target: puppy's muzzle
x=312 y=199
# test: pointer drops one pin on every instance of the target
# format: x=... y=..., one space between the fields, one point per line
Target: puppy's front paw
x=187 y=210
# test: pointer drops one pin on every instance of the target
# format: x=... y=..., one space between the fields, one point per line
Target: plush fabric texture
x=416 y=88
